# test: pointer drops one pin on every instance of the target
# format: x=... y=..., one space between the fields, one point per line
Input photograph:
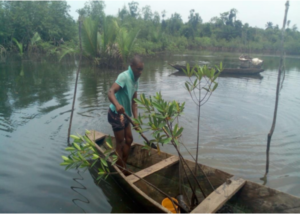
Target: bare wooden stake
x=277 y=90
x=77 y=74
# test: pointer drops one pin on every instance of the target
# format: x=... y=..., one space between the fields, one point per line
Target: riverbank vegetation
x=34 y=29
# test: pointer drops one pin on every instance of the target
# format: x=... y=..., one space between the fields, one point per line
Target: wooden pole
x=143 y=136
x=77 y=74
x=277 y=89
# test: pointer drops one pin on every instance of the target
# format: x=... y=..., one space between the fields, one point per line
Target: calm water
x=35 y=103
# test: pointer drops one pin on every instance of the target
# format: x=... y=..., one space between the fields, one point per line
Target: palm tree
x=232 y=15
x=126 y=41
x=269 y=25
x=20 y=46
x=90 y=36
x=294 y=28
x=110 y=31
x=36 y=37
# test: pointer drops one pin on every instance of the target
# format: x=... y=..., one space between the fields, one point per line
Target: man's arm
x=111 y=96
x=134 y=106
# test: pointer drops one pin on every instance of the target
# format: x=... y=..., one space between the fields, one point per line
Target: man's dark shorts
x=117 y=121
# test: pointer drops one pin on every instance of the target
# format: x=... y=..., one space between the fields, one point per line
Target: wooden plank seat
x=95 y=136
x=220 y=196
x=154 y=168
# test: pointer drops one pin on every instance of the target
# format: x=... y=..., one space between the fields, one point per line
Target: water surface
x=35 y=103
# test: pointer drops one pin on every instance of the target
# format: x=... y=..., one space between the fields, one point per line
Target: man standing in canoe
x=121 y=95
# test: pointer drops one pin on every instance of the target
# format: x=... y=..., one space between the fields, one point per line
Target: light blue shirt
x=128 y=86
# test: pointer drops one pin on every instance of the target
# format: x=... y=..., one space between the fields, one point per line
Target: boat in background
x=235 y=71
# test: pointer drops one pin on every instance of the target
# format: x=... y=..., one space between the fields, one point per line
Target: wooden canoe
x=235 y=71
x=162 y=170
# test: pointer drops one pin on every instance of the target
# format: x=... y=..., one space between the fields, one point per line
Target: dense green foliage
x=133 y=30
x=22 y=19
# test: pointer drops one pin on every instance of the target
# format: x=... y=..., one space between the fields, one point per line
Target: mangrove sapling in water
x=204 y=82
x=83 y=149
x=162 y=116
x=208 y=86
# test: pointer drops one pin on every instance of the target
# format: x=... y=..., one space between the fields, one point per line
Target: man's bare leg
x=120 y=137
x=128 y=142
x=127 y=145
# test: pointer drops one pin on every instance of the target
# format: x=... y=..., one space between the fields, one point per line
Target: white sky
x=256 y=13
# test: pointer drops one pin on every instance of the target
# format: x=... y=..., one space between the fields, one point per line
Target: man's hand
x=120 y=109
x=136 y=126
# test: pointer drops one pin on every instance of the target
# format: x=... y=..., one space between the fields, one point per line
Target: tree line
x=36 y=27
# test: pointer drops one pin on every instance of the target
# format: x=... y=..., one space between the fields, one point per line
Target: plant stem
x=198 y=128
x=183 y=160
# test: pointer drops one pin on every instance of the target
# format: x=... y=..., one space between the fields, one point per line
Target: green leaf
x=101 y=172
x=114 y=162
x=84 y=165
x=69 y=166
x=206 y=89
x=65 y=158
x=77 y=146
x=80 y=156
x=108 y=144
x=175 y=129
x=70 y=149
x=167 y=140
x=64 y=163
x=147 y=147
x=95 y=157
x=215 y=86
x=104 y=162
x=187 y=86
x=179 y=132
x=75 y=137
x=94 y=163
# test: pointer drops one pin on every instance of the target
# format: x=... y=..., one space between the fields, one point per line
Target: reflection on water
x=119 y=200
x=35 y=104
x=84 y=200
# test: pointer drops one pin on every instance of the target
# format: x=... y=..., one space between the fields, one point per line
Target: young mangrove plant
x=162 y=119
x=200 y=89
x=83 y=154
x=162 y=122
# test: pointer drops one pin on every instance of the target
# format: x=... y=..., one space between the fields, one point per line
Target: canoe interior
x=252 y=197
x=168 y=179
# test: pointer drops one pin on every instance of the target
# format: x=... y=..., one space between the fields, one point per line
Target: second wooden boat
x=236 y=71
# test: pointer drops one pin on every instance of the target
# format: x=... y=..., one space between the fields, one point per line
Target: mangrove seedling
x=83 y=154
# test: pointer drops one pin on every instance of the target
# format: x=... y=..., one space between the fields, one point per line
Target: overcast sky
x=256 y=13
